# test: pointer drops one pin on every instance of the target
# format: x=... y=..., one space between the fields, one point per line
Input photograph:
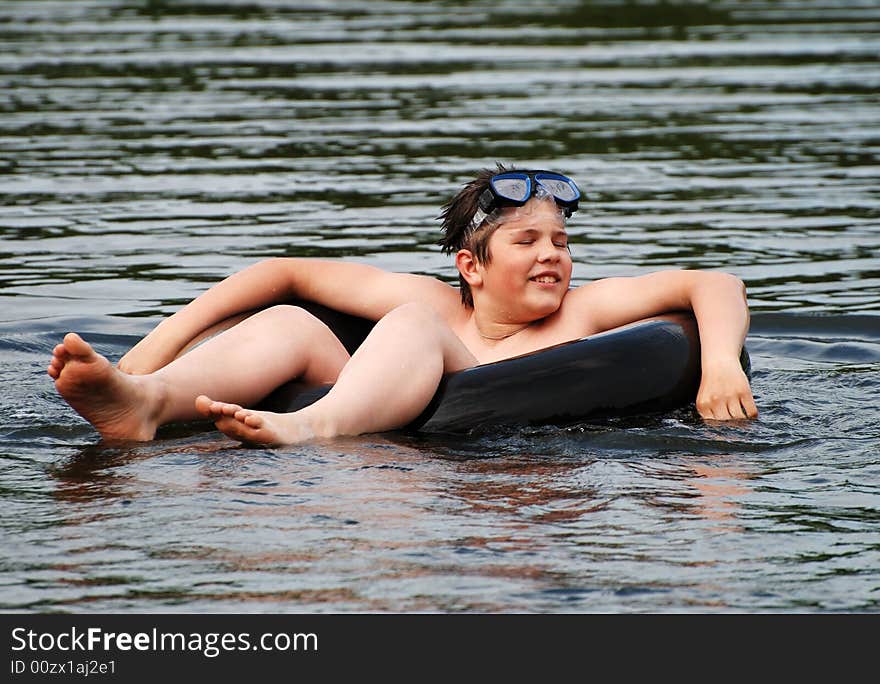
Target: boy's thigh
x=300 y=331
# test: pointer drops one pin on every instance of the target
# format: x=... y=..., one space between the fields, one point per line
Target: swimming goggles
x=515 y=188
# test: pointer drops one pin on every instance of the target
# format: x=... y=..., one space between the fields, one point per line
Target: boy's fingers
x=708 y=411
x=741 y=407
x=749 y=406
x=735 y=409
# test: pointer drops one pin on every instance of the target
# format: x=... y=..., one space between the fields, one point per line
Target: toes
x=231 y=419
x=236 y=429
x=214 y=409
x=203 y=405
x=60 y=357
x=76 y=345
x=222 y=408
x=209 y=407
x=251 y=420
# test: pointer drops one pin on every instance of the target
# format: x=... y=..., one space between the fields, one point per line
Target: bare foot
x=120 y=406
x=255 y=427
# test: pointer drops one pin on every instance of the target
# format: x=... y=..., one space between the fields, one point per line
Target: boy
x=507 y=231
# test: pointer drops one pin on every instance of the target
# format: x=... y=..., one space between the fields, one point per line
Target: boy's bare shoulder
x=603 y=304
x=578 y=308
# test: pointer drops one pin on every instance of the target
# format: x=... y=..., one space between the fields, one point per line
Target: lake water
x=149 y=149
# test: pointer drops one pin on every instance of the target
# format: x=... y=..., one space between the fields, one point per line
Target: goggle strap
x=478 y=219
x=486 y=203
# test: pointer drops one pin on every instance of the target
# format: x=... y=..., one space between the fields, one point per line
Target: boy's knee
x=289 y=316
x=283 y=311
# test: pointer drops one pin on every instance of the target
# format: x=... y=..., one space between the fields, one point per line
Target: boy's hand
x=725 y=393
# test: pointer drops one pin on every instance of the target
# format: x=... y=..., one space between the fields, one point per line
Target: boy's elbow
x=728 y=280
x=268 y=264
x=736 y=285
x=717 y=283
x=280 y=266
x=735 y=281
x=739 y=285
x=275 y=262
x=280 y=273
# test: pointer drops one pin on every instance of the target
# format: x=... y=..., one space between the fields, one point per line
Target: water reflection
x=721 y=491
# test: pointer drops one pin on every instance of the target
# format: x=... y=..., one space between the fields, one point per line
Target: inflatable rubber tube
x=647 y=366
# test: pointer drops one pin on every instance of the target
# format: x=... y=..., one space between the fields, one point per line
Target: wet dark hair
x=457 y=215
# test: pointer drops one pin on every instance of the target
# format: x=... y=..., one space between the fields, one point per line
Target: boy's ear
x=467 y=264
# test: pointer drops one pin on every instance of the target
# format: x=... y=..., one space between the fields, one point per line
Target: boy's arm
x=357 y=289
x=718 y=301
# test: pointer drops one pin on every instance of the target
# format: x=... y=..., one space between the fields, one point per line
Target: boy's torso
x=561 y=326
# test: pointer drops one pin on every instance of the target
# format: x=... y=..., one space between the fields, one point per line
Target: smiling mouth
x=545 y=279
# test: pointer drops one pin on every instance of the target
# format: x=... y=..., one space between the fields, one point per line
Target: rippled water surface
x=149 y=149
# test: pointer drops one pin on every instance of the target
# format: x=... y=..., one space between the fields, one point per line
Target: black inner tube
x=648 y=366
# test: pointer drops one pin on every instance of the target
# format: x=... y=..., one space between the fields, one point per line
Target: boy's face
x=530 y=266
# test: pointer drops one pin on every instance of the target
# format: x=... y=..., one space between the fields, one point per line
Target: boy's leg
x=388 y=382
x=242 y=364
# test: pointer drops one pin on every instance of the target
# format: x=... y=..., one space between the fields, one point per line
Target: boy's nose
x=548 y=252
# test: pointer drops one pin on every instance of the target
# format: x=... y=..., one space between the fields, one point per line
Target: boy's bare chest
x=524 y=342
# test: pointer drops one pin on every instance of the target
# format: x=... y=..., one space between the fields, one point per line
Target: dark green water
x=149 y=149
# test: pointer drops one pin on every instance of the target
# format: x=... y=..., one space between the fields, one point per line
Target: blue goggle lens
x=517 y=186
x=561 y=187
x=513 y=187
